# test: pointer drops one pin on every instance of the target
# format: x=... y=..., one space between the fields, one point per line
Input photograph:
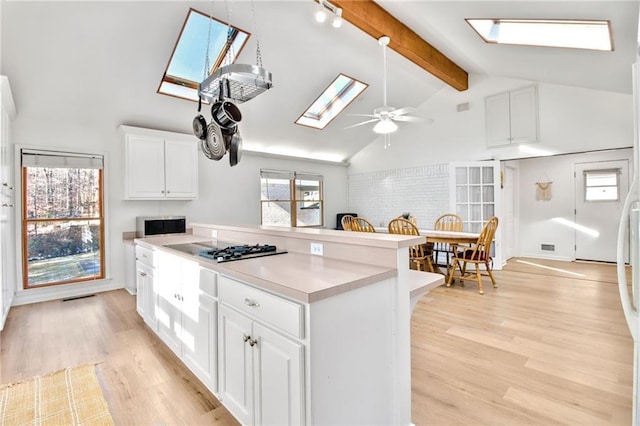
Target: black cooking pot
x=200 y=127
x=226 y=114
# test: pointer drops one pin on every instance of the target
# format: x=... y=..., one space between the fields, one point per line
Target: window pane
x=487 y=194
x=461 y=194
x=308 y=214
x=487 y=175
x=474 y=175
x=276 y=213
x=602 y=180
x=476 y=194
x=602 y=194
x=63 y=251
x=488 y=210
x=461 y=175
x=476 y=212
x=275 y=189
x=463 y=212
x=54 y=193
x=308 y=190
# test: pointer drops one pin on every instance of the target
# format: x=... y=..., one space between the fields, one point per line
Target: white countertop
x=302 y=277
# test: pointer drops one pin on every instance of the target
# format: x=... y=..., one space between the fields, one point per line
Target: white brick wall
x=383 y=195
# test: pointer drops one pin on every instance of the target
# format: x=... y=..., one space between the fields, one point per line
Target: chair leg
x=478 y=277
x=493 y=281
x=453 y=268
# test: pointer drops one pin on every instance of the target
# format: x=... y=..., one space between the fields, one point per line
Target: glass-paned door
x=476 y=186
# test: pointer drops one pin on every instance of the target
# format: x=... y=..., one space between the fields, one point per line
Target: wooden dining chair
x=346 y=222
x=446 y=222
x=419 y=255
x=478 y=253
x=360 y=224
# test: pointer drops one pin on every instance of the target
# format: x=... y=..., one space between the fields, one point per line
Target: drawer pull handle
x=143 y=274
x=250 y=302
x=246 y=338
x=253 y=342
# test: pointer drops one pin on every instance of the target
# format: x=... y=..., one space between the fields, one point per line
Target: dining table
x=453 y=238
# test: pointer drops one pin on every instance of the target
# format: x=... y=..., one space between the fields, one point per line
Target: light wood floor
x=547 y=347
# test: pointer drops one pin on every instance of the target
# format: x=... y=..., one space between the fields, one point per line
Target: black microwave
x=147 y=226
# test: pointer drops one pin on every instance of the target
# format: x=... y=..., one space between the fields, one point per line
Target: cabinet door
x=181 y=169
x=146 y=295
x=524 y=115
x=144 y=173
x=279 y=378
x=497 y=120
x=168 y=312
x=235 y=364
x=199 y=328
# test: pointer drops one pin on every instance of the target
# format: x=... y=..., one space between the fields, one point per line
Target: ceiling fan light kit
x=386 y=116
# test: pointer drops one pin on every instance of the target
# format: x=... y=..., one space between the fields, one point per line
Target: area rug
x=66 y=397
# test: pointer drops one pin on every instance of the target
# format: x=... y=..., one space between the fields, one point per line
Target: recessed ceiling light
x=594 y=35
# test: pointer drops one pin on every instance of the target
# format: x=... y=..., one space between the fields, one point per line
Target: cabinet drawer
x=145 y=256
x=271 y=309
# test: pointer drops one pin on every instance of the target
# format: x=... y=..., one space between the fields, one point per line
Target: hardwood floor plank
x=547 y=347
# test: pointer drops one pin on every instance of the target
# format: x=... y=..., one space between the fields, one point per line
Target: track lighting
x=321 y=13
x=337 y=20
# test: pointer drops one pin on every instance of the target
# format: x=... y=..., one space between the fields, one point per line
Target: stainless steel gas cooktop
x=227 y=252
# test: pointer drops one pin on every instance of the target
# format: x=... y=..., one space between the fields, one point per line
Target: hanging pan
x=213 y=147
x=235 y=149
x=199 y=123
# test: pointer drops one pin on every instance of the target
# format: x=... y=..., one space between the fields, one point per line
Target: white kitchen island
x=293 y=338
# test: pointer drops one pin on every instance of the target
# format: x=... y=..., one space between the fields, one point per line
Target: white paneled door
x=600 y=190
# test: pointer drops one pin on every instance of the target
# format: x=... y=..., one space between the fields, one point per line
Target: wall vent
x=548 y=247
x=462 y=107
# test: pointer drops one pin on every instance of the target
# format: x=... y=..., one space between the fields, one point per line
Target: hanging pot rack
x=241 y=82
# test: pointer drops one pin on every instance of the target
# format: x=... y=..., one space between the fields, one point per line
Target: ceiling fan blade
x=360 y=124
x=363 y=115
x=413 y=119
x=403 y=111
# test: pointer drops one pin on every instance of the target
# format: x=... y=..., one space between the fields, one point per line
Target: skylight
x=340 y=93
x=185 y=70
x=594 y=35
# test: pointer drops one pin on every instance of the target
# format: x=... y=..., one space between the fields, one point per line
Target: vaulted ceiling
x=95 y=65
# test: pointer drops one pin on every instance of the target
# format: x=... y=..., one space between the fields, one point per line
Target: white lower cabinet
x=146 y=287
x=187 y=315
x=261 y=369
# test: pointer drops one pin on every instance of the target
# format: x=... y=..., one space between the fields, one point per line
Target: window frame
x=329 y=106
x=215 y=61
x=293 y=201
x=586 y=186
x=99 y=216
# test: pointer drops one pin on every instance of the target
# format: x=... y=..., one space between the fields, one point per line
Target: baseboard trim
x=46 y=294
x=539 y=256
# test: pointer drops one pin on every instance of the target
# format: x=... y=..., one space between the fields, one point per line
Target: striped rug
x=67 y=397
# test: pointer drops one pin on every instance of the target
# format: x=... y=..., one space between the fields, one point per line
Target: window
x=594 y=35
x=186 y=68
x=340 y=93
x=291 y=198
x=602 y=185
x=62 y=218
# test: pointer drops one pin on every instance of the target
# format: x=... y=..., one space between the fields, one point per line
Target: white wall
x=536 y=217
x=570 y=119
x=227 y=195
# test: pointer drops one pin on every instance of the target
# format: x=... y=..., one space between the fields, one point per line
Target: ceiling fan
x=386 y=116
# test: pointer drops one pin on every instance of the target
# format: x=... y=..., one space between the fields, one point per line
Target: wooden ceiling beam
x=377 y=22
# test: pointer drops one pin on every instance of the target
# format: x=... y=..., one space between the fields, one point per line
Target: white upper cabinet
x=159 y=165
x=512 y=117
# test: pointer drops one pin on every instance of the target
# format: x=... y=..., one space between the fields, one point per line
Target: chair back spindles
x=449 y=222
x=346 y=222
x=419 y=254
x=360 y=224
x=478 y=253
